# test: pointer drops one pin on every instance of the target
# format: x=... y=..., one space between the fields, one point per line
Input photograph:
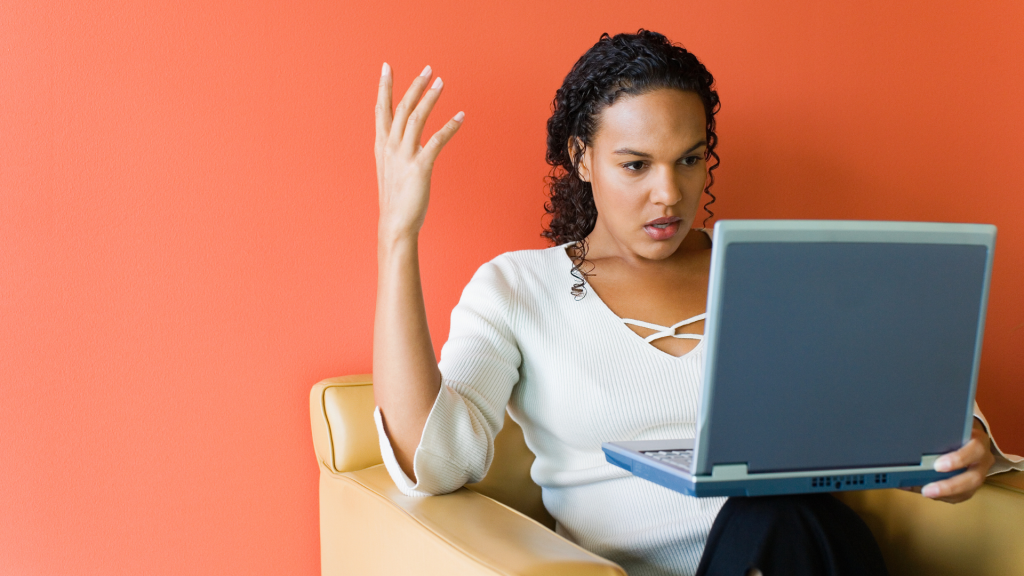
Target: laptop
x=840 y=355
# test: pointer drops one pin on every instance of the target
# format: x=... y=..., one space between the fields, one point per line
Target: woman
x=595 y=338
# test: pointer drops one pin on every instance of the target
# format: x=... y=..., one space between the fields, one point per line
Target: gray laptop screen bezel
x=737 y=231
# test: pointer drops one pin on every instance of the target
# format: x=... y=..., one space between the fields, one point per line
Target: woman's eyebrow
x=631 y=152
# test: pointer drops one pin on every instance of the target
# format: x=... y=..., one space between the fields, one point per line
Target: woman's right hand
x=403 y=165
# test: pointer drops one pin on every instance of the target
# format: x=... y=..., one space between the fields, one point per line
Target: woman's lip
x=664 y=220
x=662 y=233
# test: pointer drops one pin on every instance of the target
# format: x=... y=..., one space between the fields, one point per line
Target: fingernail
x=942 y=464
x=437 y=83
x=460 y=116
x=385 y=69
x=930 y=491
x=426 y=71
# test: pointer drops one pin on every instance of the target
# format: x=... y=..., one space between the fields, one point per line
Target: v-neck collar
x=632 y=336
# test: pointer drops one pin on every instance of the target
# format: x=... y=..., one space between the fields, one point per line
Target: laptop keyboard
x=681 y=458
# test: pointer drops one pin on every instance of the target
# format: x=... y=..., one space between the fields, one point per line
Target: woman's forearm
x=406 y=379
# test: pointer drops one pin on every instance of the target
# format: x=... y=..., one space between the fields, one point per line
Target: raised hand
x=403 y=165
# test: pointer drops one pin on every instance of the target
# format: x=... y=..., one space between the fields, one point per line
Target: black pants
x=799 y=535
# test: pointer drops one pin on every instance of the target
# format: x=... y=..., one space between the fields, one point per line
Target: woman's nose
x=666 y=190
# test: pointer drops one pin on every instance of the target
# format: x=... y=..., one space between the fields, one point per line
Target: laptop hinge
x=729 y=471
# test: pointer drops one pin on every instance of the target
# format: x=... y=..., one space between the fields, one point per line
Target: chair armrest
x=345 y=440
x=981 y=536
x=368 y=527
x=341 y=416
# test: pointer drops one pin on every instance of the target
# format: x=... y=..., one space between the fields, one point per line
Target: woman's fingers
x=418 y=118
x=405 y=128
x=383 y=109
x=440 y=138
x=958 y=488
x=405 y=107
x=976 y=456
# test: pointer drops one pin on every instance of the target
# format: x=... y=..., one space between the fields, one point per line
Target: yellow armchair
x=500 y=526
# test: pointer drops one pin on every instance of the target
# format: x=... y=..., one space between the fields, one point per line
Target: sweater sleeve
x=1004 y=462
x=479 y=367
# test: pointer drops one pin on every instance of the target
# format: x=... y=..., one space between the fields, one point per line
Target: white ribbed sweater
x=573 y=376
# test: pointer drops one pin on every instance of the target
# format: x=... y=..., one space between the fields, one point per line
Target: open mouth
x=662 y=228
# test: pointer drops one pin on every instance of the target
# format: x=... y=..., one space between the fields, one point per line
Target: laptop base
x=774 y=483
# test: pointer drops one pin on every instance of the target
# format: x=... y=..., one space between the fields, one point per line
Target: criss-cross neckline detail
x=667 y=331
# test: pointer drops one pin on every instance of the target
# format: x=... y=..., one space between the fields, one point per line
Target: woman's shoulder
x=527 y=272
x=534 y=257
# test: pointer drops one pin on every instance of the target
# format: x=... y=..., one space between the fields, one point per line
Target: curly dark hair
x=624 y=64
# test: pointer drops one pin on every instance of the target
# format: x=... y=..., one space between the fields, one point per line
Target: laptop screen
x=843 y=354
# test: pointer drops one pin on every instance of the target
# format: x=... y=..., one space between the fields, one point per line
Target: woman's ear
x=575 y=146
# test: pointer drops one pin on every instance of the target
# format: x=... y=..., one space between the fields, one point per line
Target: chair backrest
x=345 y=439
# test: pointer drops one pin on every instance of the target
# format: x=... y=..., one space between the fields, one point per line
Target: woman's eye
x=638 y=165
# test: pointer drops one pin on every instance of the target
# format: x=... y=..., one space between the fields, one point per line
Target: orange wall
x=187 y=210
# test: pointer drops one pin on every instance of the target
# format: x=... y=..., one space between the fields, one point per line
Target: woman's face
x=647 y=169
